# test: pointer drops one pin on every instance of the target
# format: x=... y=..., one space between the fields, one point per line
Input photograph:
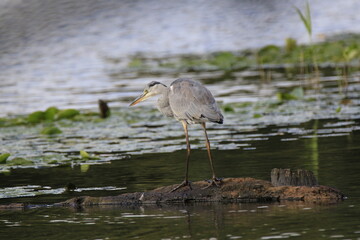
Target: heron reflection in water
x=189 y=102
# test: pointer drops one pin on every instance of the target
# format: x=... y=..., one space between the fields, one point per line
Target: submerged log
x=104 y=109
x=231 y=190
x=288 y=177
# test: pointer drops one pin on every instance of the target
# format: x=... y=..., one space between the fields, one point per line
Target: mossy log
x=231 y=190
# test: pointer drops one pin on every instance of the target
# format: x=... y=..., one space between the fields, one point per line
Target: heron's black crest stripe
x=153 y=83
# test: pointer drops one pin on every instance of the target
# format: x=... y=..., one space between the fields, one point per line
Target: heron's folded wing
x=191 y=101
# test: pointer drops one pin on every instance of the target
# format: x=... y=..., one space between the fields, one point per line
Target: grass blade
x=306 y=19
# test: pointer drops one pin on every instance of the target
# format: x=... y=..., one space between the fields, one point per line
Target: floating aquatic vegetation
x=136 y=63
x=335 y=50
x=19 y=161
x=36 y=117
x=51 y=130
x=84 y=167
x=67 y=113
x=247 y=104
x=84 y=154
x=269 y=54
x=257 y=115
x=50 y=115
x=295 y=94
x=4 y=157
x=224 y=60
x=228 y=108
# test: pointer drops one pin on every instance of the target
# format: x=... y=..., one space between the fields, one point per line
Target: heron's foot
x=183 y=184
x=213 y=182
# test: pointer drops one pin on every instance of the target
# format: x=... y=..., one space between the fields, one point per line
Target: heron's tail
x=219 y=118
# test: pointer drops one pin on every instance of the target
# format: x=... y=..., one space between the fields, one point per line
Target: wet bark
x=288 y=177
x=104 y=109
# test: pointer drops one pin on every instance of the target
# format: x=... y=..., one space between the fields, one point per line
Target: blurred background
x=63 y=53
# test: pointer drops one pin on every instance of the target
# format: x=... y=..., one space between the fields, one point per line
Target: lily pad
x=4 y=157
x=228 y=108
x=68 y=113
x=50 y=113
x=19 y=161
x=84 y=154
x=36 y=117
x=296 y=94
x=224 y=60
x=51 y=130
x=84 y=168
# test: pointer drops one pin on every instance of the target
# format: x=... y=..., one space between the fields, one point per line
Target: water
x=50 y=53
x=336 y=165
x=189 y=222
x=332 y=153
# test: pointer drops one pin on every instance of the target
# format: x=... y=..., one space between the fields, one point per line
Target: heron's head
x=152 y=89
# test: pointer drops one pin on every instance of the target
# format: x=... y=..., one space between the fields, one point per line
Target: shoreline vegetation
x=341 y=51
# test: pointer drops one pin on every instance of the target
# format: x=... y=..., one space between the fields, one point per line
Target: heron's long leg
x=209 y=151
x=186 y=181
x=214 y=181
x=187 y=151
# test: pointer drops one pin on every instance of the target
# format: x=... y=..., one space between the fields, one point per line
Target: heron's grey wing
x=191 y=101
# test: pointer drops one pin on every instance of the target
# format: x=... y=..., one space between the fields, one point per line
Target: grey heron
x=189 y=102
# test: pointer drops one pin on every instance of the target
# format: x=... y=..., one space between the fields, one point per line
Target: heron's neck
x=161 y=89
x=163 y=103
x=163 y=92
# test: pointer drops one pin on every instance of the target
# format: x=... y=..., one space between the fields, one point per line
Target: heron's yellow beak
x=141 y=98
